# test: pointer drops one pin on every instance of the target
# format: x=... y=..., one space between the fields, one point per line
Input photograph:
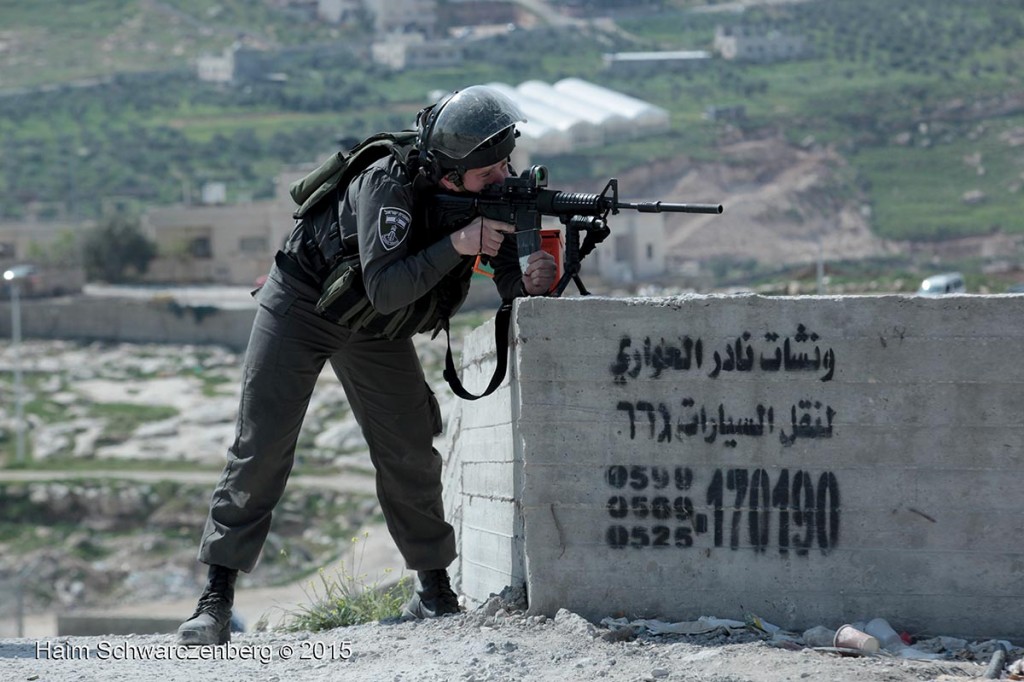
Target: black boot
x=434 y=598
x=211 y=623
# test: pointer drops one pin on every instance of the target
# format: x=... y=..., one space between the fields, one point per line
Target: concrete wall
x=155 y=320
x=192 y=315
x=482 y=476
x=812 y=460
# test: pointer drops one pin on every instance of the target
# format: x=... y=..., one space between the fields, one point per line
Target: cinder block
x=488 y=479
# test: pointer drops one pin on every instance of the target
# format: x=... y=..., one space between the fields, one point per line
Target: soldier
x=463 y=144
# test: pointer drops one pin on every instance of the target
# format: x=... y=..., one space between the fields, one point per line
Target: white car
x=940 y=285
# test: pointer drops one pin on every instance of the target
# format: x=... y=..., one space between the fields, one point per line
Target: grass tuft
x=348 y=598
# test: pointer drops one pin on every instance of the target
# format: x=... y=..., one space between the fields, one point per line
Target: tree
x=116 y=250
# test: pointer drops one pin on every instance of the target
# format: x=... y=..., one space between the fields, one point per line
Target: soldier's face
x=475 y=179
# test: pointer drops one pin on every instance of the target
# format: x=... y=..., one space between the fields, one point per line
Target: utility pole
x=821 y=266
x=19 y=394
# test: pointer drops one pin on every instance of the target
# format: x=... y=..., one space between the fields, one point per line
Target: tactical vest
x=335 y=259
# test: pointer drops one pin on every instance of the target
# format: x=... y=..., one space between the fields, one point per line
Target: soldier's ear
x=452 y=181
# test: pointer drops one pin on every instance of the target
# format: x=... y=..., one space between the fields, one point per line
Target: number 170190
x=741 y=507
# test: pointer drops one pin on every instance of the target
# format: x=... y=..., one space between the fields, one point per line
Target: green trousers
x=395 y=408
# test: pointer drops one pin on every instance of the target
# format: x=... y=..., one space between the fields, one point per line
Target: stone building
x=750 y=44
x=412 y=50
x=403 y=16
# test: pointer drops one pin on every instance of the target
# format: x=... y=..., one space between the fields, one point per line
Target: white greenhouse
x=647 y=117
x=574 y=114
x=615 y=125
x=579 y=133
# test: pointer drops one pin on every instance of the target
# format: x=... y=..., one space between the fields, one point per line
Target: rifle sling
x=501 y=324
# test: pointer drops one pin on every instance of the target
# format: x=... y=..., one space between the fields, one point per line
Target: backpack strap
x=502 y=322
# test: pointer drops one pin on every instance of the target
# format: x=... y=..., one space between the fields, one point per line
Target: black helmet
x=469 y=128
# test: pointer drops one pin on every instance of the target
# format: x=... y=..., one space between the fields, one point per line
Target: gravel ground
x=496 y=642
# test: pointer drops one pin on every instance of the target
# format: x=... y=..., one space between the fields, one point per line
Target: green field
x=918 y=190
x=879 y=81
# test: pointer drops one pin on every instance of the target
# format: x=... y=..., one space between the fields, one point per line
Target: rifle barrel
x=666 y=207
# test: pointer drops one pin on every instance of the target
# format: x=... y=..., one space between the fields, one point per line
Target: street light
x=12 y=277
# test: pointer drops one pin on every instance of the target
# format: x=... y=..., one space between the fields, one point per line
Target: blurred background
x=146 y=147
x=882 y=137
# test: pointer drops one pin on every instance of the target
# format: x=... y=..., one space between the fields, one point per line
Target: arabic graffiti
x=692 y=421
x=792 y=354
x=658 y=357
x=802 y=509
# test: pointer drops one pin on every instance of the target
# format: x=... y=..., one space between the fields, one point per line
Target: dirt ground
x=496 y=642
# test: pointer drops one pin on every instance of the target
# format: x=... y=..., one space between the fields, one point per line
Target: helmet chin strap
x=455 y=178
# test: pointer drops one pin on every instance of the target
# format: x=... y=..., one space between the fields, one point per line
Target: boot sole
x=200 y=638
x=408 y=615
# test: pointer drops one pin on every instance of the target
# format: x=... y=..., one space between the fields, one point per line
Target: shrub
x=347 y=598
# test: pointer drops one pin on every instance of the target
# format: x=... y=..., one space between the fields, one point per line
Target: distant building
x=339 y=11
x=746 y=44
x=222 y=244
x=478 y=13
x=214 y=244
x=237 y=63
x=214 y=193
x=302 y=9
x=591 y=8
x=634 y=252
x=403 y=16
x=217 y=69
x=413 y=51
x=644 y=62
x=243 y=63
x=18 y=239
x=253 y=64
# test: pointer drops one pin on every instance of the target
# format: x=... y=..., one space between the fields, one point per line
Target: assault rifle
x=523 y=200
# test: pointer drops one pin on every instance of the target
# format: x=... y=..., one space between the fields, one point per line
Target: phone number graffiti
x=653 y=508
